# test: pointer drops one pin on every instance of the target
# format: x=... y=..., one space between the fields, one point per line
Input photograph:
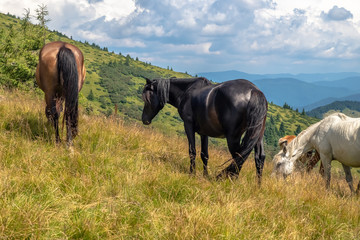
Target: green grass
x=126 y=181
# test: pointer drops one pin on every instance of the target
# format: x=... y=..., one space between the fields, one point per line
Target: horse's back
x=342 y=133
x=47 y=75
x=217 y=107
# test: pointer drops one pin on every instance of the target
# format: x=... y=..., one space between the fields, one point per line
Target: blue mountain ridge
x=299 y=91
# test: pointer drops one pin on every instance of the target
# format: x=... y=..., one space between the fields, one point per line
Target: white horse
x=335 y=137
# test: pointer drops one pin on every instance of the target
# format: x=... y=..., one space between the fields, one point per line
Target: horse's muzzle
x=147 y=122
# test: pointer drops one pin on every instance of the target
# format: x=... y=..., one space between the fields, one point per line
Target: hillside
x=354 y=97
x=116 y=79
x=297 y=93
x=306 y=77
x=351 y=83
x=301 y=90
x=125 y=181
x=350 y=108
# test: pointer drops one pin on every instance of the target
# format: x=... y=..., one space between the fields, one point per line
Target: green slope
x=116 y=79
x=125 y=181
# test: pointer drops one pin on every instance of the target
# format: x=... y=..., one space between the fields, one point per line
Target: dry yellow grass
x=125 y=181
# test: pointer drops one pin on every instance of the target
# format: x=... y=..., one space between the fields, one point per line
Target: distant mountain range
x=306 y=77
x=306 y=91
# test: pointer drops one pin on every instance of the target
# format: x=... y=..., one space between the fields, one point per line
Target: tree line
x=19 y=48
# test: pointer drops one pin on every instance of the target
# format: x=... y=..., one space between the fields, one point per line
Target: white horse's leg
x=326 y=161
x=348 y=177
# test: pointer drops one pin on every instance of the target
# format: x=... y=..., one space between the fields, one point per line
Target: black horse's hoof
x=227 y=174
x=232 y=171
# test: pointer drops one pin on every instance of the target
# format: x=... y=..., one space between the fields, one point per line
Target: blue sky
x=255 y=36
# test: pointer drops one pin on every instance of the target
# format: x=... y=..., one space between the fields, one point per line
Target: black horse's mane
x=163 y=88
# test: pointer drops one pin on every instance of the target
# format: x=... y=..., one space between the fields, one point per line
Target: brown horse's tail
x=69 y=78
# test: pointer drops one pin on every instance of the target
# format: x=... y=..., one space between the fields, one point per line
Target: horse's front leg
x=190 y=133
x=205 y=153
x=348 y=177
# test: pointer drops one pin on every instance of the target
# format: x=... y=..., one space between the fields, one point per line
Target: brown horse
x=61 y=74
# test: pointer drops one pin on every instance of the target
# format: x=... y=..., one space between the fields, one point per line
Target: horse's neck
x=178 y=88
x=303 y=141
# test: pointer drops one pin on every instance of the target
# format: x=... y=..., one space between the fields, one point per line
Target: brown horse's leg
x=69 y=134
x=52 y=114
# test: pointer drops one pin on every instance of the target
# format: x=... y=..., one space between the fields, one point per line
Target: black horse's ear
x=148 y=81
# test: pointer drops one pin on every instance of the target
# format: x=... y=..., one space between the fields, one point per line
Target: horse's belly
x=210 y=131
x=349 y=157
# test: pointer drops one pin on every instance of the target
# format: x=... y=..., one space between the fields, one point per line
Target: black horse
x=227 y=110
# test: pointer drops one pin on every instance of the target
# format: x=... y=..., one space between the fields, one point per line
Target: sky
x=254 y=36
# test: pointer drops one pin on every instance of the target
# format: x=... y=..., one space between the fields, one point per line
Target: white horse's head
x=285 y=161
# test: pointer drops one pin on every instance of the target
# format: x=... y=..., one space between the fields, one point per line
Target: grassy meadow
x=127 y=181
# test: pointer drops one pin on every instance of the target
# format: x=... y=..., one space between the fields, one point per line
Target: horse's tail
x=256 y=117
x=69 y=78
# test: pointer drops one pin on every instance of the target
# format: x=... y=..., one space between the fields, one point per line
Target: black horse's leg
x=237 y=161
x=259 y=159
x=205 y=153
x=192 y=149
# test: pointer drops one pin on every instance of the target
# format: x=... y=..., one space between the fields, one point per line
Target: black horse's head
x=153 y=97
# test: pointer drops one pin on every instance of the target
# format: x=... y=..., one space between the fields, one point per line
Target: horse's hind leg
x=259 y=159
x=52 y=114
x=348 y=177
x=234 y=168
x=205 y=153
x=69 y=132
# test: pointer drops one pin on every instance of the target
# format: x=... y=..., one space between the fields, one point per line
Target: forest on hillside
x=114 y=82
x=336 y=106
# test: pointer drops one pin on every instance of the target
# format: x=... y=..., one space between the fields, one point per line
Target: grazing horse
x=60 y=74
x=310 y=159
x=228 y=109
x=335 y=137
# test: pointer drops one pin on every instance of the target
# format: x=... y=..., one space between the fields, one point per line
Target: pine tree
x=25 y=22
x=41 y=14
x=298 y=130
x=282 y=129
x=91 y=96
x=127 y=61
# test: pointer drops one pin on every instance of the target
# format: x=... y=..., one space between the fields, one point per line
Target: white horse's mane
x=302 y=139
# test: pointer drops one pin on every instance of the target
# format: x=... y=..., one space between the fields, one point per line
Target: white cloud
x=214 y=29
x=214 y=33
x=114 y=9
